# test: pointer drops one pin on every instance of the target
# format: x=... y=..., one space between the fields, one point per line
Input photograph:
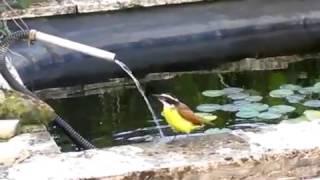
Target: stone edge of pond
x=24 y=146
x=220 y=156
x=63 y=7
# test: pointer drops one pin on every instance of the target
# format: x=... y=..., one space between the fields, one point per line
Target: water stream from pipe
x=138 y=85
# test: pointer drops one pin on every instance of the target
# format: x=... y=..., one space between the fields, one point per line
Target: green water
x=100 y=117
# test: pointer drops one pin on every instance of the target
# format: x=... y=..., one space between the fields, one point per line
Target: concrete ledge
x=24 y=146
x=62 y=7
x=284 y=151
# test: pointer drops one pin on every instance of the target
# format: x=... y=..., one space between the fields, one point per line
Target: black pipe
x=170 y=38
x=58 y=121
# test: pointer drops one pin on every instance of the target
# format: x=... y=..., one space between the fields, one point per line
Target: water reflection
x=100 y=118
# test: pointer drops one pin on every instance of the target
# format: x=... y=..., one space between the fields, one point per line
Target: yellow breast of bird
x=177 y=122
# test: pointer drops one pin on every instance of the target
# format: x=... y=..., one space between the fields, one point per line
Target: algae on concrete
x=30 y=111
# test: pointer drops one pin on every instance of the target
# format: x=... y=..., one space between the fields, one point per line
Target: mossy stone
x=29 y=110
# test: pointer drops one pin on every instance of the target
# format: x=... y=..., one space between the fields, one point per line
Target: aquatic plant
x=307 y=90
x=230 y=108
x=269 y=115
x=282 y=109
x=312 y=103
x=232 y=90
x=255 y=107
x=241 y=102
x=312 y=115
x=247 y=114
x=281 y=93
x=317 y=85
x=296 y=98
x=213 y=93
x=208 y=107
x=254 y=98
x=292 y=87
x=238 y=96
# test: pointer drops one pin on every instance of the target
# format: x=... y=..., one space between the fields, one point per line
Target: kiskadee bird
x=179 y=116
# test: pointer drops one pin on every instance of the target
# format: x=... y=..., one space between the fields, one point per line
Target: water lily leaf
x=312 y=103
x=292 y=87
x=296 y=98
x=255 y=107
x=241 y=102
x=312 y=115
x=281 y=93
x=232 y=90
x=238 y=96
x=247 y=114
x=213 y=93
x=230 y=108
x=254 y=98
x=282 y=109
x=269 y=115
x=316 y=89
x=217 y=131
x=208 y=107
x=306 y=90
x=317 y=85
x=206 y=116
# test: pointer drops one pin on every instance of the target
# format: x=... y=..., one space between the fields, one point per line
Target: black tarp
x=169 y=38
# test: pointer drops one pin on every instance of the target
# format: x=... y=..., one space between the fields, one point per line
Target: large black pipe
x=170 y=38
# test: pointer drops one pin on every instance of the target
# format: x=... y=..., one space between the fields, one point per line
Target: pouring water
x=138 y=85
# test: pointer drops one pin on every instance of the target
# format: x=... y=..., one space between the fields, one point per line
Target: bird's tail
x=207 y=118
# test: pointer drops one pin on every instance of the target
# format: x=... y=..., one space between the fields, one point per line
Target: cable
x=68 y=130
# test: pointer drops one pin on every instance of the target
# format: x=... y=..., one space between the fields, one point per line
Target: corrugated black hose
x=58 y=121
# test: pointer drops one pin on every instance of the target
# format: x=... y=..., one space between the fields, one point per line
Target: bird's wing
x=188 y=114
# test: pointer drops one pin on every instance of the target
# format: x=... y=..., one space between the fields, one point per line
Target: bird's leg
x=174 y=137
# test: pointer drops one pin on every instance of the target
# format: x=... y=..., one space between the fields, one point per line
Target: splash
x=138 y=85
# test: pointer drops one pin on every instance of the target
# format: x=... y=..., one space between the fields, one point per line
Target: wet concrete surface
x=233 y=155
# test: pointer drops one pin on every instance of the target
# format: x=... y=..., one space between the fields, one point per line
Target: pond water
x=120 y=116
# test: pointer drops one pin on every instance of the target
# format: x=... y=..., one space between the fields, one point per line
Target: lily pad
x=232 y=90
x=307 y=90
x=255 y=107
x=281 y=93
x=296 y=98
x=317 y=85
x=292 y=87
x=208 y=107
x=254 y=98
x=217 y=131
x=206 y=116
x=238 y=96
x=316 y=89
x=247 y=114
x=312 y=115
x=269 y=115
x=241 y=102
x=230 y=108
x=213 y=93
x=281 y=109
x=312 y=103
